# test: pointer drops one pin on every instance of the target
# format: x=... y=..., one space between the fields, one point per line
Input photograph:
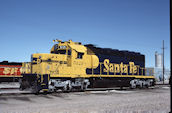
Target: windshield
x=61 y=52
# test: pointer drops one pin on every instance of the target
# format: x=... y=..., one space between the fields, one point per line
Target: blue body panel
x=117 y=60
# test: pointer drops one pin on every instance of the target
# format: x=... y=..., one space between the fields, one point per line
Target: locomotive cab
x=67 y=60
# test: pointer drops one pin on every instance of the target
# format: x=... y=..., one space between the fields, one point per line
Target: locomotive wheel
x=133 y=85
x=83 y=87
x=24 y=85
x=66 y=88
x=35 y=89
x=140 y=84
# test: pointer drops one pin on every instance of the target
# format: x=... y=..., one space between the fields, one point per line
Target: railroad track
x=16 y=91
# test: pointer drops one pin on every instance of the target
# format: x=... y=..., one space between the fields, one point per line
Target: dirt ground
x=156 y=100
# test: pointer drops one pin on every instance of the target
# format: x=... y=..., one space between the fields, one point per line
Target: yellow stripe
x=87 y=76
x=10 y=76
x=44 y=89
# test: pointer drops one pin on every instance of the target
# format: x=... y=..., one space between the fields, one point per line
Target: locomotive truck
x=71 y=65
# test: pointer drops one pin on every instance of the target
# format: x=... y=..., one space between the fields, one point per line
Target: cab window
x=69 y=52
x=80 y=55
x=61 y=52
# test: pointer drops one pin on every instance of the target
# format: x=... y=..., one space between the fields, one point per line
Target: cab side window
x=80 y=55
x=69 y=52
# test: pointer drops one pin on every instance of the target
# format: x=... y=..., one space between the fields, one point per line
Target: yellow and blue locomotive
x=71 y=65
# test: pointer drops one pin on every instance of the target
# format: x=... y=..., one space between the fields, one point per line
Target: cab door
x=69 y=57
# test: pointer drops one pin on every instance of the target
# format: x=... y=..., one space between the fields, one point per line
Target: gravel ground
x=156 y=100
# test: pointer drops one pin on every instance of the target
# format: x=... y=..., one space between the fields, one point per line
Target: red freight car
x=10 y=71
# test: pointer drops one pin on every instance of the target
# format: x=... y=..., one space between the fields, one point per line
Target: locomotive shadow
x=15 y=98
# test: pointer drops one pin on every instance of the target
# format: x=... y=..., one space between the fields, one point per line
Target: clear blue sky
x=29 y=26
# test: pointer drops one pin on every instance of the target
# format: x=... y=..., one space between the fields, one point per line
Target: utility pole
x=163 y=60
